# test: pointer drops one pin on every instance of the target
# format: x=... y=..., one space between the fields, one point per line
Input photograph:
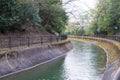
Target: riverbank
x=112 y=49
x=19 y=59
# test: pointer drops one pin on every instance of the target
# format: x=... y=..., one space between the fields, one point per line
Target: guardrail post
x=60 y=38
x=57 y=38
x=41 y=40
x=20 y=41
x=10 y=39
x=50 y=39
x=28 y=41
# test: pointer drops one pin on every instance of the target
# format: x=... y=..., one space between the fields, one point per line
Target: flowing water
x=85 y=62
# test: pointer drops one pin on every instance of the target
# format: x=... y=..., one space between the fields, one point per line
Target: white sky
x=77 y=7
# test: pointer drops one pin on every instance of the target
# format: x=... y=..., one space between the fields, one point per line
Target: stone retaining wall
x=112 y=49
x=18 y=59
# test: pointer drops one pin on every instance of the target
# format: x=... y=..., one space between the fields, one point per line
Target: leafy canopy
x=107 y=16
x=21 y=14
x=53 y=16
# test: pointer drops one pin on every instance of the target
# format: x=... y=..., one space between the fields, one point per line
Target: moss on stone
x=3 y=52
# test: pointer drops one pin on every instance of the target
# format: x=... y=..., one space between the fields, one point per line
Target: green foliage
x=8 y=14
x=28 y=14
x=75 y=29
x=53 y=16
x=14 y=14
x=107 y=16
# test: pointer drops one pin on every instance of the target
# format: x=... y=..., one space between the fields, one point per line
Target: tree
x=8 y=14
x=28 y=14
x=107 y=16
x=20 y=14
x=53 y=16
x=16 y=13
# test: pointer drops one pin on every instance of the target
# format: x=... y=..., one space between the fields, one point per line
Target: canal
x=85 y=62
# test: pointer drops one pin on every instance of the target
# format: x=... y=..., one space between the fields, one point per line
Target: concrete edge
x=114 y=43
x=42 y=63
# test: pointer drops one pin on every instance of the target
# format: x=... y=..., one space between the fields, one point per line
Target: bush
x=14 y=14
x=28 y=14
x=8 y=14
x=53 y=16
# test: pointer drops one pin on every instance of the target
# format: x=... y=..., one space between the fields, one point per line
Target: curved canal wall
x=16 y=60
x=112 y=49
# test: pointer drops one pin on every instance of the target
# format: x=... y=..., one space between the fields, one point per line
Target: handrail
x=18 y=41
x=116 y=38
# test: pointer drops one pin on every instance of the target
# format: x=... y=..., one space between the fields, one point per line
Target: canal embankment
x=25 y=58
x=112 y=49
x=85 y=62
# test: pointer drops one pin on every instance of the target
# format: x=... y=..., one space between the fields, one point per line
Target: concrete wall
x=18 y=59
x=112 y=49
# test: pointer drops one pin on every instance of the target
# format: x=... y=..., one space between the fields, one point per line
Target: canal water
x=85 y=62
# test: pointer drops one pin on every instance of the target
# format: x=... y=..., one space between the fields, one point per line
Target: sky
x=77 y=7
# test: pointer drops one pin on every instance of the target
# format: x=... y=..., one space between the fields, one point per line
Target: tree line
x=106 y=17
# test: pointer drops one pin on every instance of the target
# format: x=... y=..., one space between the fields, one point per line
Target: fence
x=18 y=41
x=116 y=38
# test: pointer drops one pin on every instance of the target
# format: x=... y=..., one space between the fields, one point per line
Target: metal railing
x=18 y=41
x=116 y=38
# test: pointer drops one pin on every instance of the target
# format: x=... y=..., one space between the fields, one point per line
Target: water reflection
x=85 y=62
